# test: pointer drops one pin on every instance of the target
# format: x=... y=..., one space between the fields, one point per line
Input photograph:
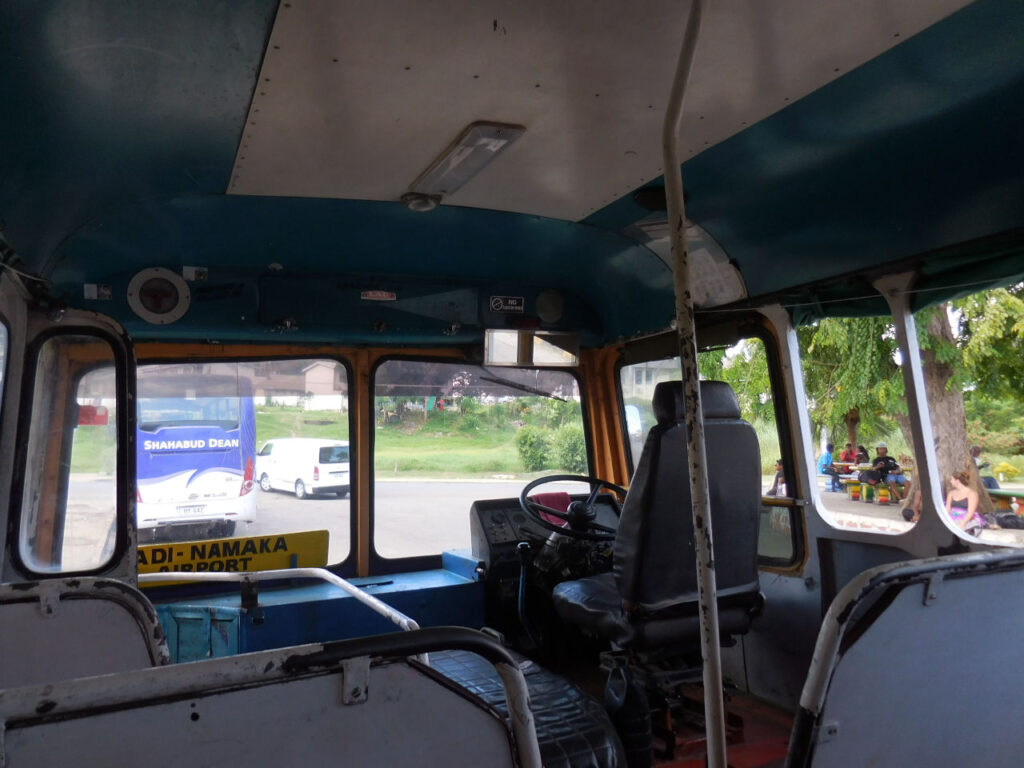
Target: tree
x=992 y=339
x=850 y=374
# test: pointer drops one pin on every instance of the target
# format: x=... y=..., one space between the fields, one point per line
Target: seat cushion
x=595 y=605
x=573 y=729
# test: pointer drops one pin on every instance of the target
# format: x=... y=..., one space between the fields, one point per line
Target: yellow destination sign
x=307 y=549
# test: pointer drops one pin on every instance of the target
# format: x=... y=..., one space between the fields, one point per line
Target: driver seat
x=649 y=600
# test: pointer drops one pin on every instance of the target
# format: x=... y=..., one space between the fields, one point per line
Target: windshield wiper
x=521 y=387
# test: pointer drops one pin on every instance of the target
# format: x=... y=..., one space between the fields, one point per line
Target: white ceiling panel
x=355 y=99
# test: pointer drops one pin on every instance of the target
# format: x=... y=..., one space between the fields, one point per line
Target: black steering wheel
x=581 y=515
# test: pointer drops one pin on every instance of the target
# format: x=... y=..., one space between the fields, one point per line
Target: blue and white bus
x=195 y=453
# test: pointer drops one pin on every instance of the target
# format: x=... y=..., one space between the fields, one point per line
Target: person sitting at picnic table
x=848 y=454
x=962 y=504
x=862 y=455
x=986 y=480
x=885 y=469
x=779 y=486
x=826 y=467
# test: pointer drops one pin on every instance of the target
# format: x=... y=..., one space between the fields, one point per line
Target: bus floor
x=757 y=733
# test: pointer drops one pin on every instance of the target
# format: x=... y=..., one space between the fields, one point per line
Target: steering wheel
x=581 y=515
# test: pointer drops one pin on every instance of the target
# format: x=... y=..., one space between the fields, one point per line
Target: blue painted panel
x=117 y=101
x=200 y=632
x=918 y=149
x=628 y=288
x=218 y=626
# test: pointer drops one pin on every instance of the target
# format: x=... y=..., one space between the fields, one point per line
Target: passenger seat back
x=59 y=629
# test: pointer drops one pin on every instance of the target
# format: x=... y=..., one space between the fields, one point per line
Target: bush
x=570 y=448
x=533 y=449
x=1007 y=442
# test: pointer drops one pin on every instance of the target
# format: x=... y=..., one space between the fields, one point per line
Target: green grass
x=405 y=450
x=94 y=450
x=283 y=421
x=768 y=439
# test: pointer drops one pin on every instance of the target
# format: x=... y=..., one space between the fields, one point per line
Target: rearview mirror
x=531 y=348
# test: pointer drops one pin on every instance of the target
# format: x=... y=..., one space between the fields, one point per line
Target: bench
x=1003 y=499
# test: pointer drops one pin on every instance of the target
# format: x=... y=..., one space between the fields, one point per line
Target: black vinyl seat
x=649 y=600
x=573 y=729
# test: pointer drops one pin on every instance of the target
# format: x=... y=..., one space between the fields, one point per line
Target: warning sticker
x=508 y=305
x=307 y=549
x=378 y=296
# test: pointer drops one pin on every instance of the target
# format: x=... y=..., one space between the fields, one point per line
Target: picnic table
x=860 y=491
x=1003 y=499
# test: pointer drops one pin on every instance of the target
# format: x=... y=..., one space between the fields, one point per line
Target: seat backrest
x=914 y=665
x=59 y=629
x=353 y=702
x=654 y=555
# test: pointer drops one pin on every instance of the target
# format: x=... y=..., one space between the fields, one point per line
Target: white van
x=304 y=466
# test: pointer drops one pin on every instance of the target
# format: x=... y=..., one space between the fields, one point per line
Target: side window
x=69 y=492
x=971 y=351
x=863 y=454
x=744 y=367
x=449 y=433
x=199 y=477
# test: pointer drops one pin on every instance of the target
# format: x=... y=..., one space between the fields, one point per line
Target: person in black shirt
x=885 y=469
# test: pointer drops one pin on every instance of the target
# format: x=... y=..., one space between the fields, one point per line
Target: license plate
x=192 y=509
x=338 y=474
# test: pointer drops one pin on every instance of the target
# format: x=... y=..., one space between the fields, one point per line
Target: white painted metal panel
x=62 y=629
x=356 y=99
x=407 y=719
x=911 y=666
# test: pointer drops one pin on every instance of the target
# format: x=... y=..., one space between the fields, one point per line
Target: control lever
x=525 y=553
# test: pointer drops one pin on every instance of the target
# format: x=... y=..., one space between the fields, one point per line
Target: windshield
x=335 y=454
x=160 y=412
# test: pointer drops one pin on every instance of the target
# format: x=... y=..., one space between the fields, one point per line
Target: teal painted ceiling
x=123 y=121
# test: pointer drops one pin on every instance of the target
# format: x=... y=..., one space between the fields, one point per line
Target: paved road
x=412 y=517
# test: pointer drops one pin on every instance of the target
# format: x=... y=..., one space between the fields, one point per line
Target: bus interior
x=509 y=258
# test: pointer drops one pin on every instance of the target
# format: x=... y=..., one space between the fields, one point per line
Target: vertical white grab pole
x=714 y=709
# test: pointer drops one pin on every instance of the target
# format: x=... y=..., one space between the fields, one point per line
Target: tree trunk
x=852 y=420
x=949 y=419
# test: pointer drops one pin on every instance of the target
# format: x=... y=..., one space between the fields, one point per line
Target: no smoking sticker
x=507 y=305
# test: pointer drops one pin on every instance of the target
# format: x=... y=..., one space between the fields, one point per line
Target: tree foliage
x=971 y=354
x=991 y=338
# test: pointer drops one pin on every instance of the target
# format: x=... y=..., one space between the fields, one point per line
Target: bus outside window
x=196 y=448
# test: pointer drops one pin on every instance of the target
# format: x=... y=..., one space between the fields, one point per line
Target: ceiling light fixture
x=475 y=147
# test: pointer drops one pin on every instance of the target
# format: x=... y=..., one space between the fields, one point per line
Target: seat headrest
x=718 y=401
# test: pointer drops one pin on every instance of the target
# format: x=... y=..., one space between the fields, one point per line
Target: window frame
x=378 y=564
x=124 y=388
x=347 y=566
x=666 y=346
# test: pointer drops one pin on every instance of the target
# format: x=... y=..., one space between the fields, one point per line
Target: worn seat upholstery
x=649 y=600
x=573 y=729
